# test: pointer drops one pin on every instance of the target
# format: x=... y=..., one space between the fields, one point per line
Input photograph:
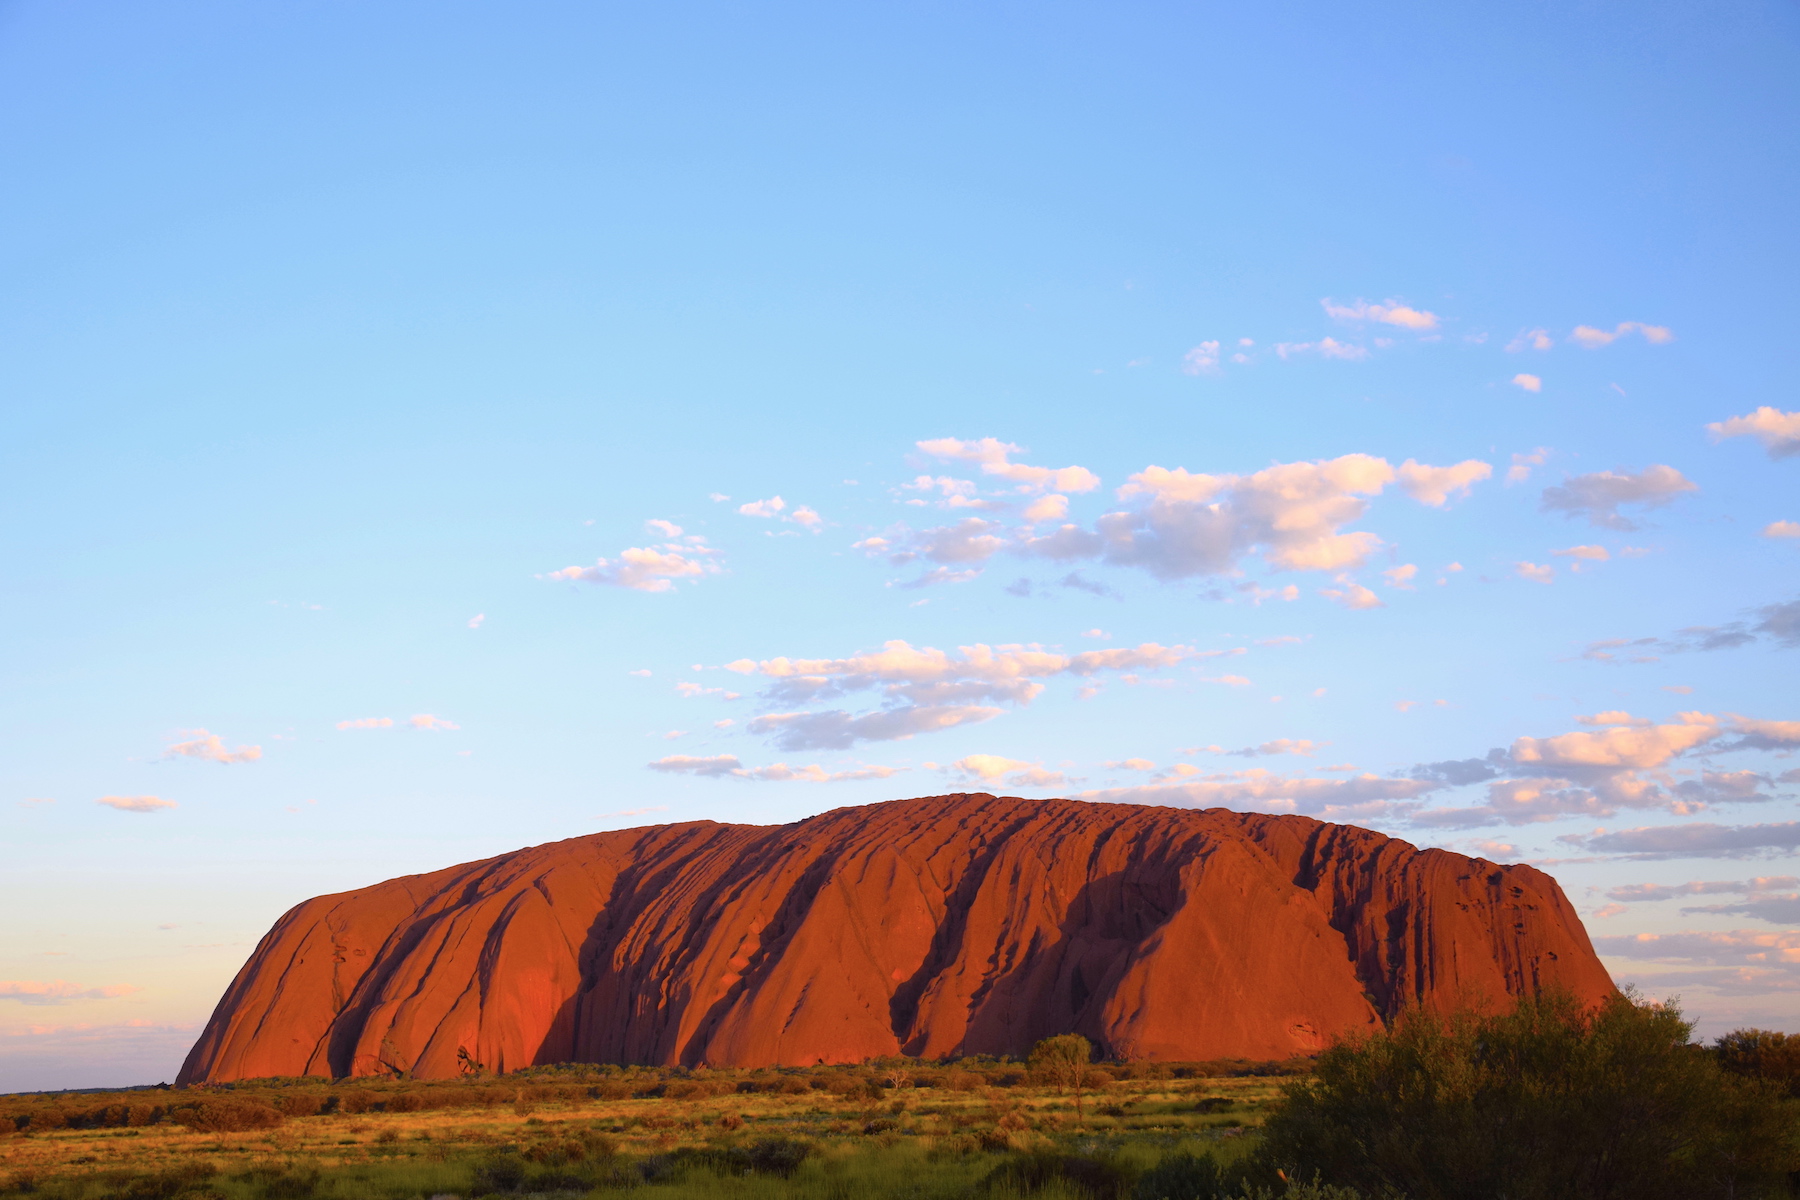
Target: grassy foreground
x=893 y=1130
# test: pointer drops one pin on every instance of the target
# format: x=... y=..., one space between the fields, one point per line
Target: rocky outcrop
x=948 y=925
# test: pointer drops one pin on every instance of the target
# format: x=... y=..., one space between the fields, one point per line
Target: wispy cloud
x=59 y=991
x=428 y=722
x=994 y=457
x=1592 y=338
x=367 y=723
x=1599 y=496
x=137 y=804
x=648 y=568
x=1529 y=383
x=727 y=766
x=1393 y=312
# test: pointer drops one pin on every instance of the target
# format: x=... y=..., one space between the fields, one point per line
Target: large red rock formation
x=948 y=925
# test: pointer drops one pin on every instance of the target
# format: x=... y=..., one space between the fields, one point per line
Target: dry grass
x=548 y=1125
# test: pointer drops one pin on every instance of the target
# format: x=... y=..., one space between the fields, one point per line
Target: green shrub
x=164 y=1185
x=1548 y=1102
x=1182 y=1177
x=1098 y=1176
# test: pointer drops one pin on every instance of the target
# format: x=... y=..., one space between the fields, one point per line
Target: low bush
x=1100 y=1177
x=226 y=1114
x=1551 y=1101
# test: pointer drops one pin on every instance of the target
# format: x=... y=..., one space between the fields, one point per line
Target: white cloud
x=1535 y=573
x=1049 y=507
x=1589 y=553
x=640 y=673
x=667 y=529
x=1391 y=313
x=836 y=729
x=1779 y=432
x=367 y=723
x=211 y=747
x=428 y=722
x=1201 y=359
x=1619 y=762
x=1013 y=772
x=1301 y=746
x=1436 y=485
x=1591 y=338
x=1529 y=383
x=807 y=518
x=58 y=991
x=1534 y=339
x=1782 y=529
x=925 y=689
x=1229 y=681
x=136 y=804
x=1520 y=470
x=1640 y=893
x=1351 y=594
x=1599 y=496
x=1364 y=796
x=727 y=766
x=1402 y=576
x=476 y=620
x=993 y=454
x=1098 y=633
x=1132 y=764
x=1695 y=840
x=647 y=569
x=771 y=507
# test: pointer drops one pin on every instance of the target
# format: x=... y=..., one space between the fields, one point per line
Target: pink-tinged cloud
x=1778 y=431
x=1391 y=313
x=59 y=991
x=367 y=723
x=211 y=748
x=137 y=804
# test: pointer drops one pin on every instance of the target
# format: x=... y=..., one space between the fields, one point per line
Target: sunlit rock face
x=964 y=924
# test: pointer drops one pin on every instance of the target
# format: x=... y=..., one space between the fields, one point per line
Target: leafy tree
x=1762 y=1054
x=1551 y=1100
x=1063 y=1061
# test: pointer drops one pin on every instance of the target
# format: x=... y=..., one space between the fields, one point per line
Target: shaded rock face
x=962 y=924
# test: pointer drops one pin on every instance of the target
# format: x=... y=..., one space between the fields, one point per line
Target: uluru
x=947 y=925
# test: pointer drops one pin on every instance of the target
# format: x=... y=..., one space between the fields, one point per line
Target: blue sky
x=1380 y=415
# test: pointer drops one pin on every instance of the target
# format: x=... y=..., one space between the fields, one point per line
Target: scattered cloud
x=1402 y=576
x=993 y=457
x=1779 y=432
x=476 y=620
x=1520 y=470
x=1202 y=359
x=1301 y=746
x=838 y=729
x=58 y=991
x=1779 y=623
x=1012 y=772
x=633 y=812
x=1324 y=347
x=727 y=766
x=1588 y=553
x=1599 y=496
x=1591 y=338
x=211 y=747
x=648 y=569
x=1782 y=529
x=1351 y=594
x=1535 y=573
x=1529 y=383
x=136 y=804
x=641 y=673
x=667 y=529
x=1363 y=797
x=371 y=722
x=1531 y=339
x=771 y=507
x=1694 y=840
x=1052 y=506
x=429 y=722
x=1393 y=312
x=1435 y=486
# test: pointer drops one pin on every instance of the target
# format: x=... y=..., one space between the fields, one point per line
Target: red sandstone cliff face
x=947 y=925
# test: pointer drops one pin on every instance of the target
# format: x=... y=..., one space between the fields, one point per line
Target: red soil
x=947 y=925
